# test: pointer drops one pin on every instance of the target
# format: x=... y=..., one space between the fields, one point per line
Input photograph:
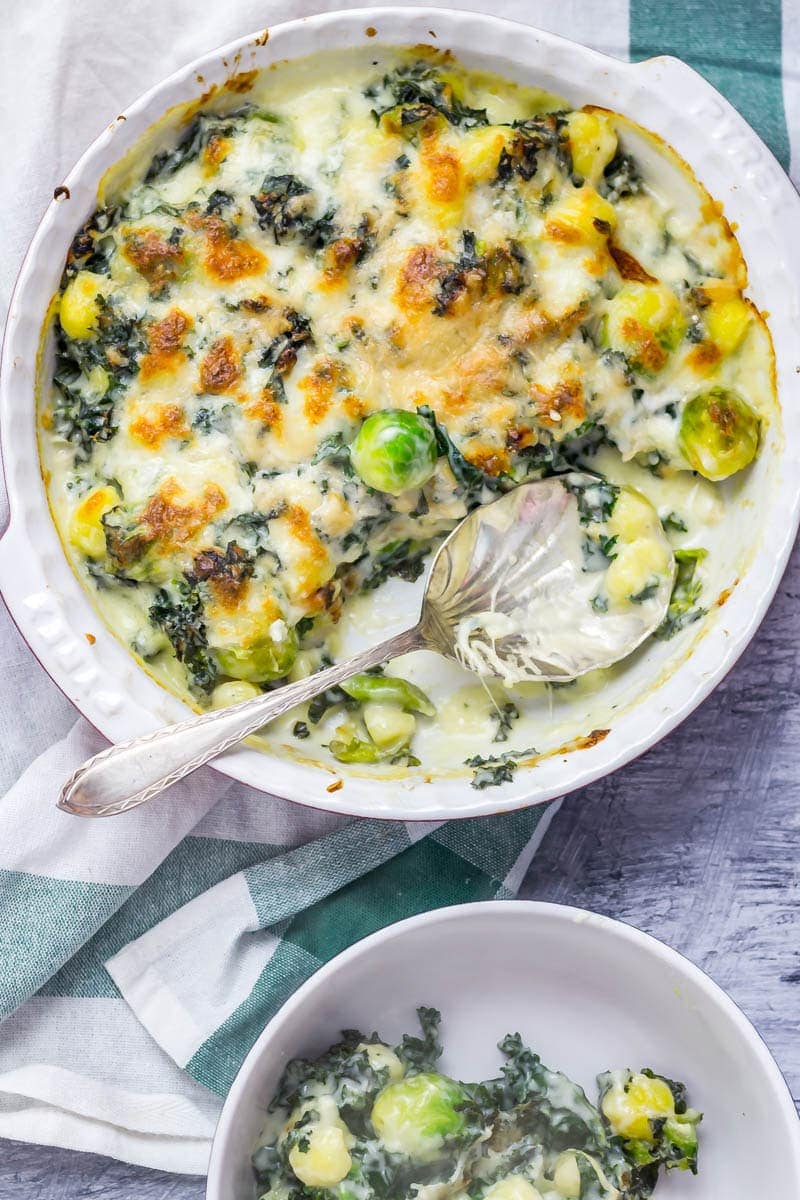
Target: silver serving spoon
x=506 y=596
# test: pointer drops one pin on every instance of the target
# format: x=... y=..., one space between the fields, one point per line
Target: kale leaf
x=471 y=479
x=505 y=717
x=405 y=559
x=181 y=617
x=422 y=1053
x=419 y=88
x=493 y=770
x=286 y=206
x=683 y=607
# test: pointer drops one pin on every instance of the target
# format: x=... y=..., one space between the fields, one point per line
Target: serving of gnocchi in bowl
x=321 y=294
x=535 y=1001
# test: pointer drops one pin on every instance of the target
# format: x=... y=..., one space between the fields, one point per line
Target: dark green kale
x=83 y=413
x=471 y=479
x=422 y=1053
x=598 y=553
x=505 y=717
x=300 y=730
x=345 y=1066
x=493 y=770
x=281 y=353
x=567 y=1117
x=93 y=244
x=683 y=607
x=336 y=451
x=195 y=138
x=596 y=500
x=648 y=591
x=287 y=206
x=180 y=614
x=469 y=265
x=501 y=268
x=405 y=559
x=621 y=178
x=535 y=137
x=218 y=202
x=229 y=570
x=418 y=88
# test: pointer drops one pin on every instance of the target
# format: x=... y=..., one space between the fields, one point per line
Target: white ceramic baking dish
x=666 y=682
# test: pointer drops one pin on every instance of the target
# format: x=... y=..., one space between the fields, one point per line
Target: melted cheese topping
x=372 y=230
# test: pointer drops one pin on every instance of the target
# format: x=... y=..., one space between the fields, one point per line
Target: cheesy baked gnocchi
x=344 y=303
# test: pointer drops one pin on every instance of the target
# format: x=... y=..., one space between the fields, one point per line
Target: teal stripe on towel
x=736 y=46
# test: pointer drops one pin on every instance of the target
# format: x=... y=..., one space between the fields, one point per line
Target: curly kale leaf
x=596 y=500
x=344 y=1071
x=420 y=89
x=494 y=769
x=568 y=1118
x=336 y=451
x=281 y=353
x=505 y=718
x=286 y=206
x=621 y=178
x=83 y=412
x=422 y=1053
x=683 y=607
x=195 y=138
x=471 y=479
x=181 y=617
x=535 y=137
x=93 y=245
x=405 y=559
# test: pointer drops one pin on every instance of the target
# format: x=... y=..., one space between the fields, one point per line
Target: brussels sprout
x=418 y=1115
x=394 y=451
x=268 y=658
x=645 y=322
x=650 y=1113
x=386 y=689
x=719 y=433
x=355 y=750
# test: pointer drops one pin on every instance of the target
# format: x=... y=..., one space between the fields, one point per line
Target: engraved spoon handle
x=130 y=773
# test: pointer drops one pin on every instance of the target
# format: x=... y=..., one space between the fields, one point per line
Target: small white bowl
x=586 y=992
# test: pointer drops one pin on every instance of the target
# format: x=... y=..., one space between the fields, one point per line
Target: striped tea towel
x=141 y=956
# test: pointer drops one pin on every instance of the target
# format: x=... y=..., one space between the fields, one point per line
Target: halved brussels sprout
x=645 y=322
x=418 y=1115
x=394 y=451
x=719 y=433
x=268 y=658
x=387 y=689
